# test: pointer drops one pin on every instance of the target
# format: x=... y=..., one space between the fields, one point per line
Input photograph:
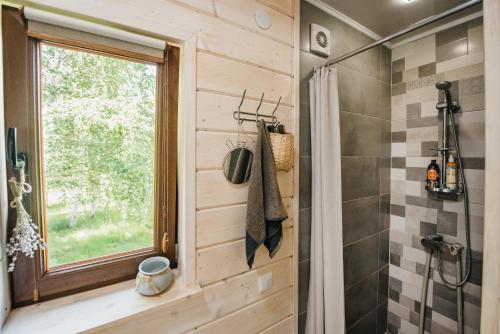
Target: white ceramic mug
x=154 y=276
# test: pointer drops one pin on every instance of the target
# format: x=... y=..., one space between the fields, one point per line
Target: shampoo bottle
x=451 y=173
x=433 y=175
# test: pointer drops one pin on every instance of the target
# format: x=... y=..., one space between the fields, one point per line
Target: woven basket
x=282 y=146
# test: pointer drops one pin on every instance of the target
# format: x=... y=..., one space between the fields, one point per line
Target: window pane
x=98 y=129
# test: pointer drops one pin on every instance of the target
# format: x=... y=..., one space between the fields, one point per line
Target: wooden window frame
x=31 y=281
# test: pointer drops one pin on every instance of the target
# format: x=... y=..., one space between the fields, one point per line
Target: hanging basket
x=282 y=146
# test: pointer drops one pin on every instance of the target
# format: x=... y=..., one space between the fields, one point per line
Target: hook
x=257 y=110
x=274 y=119
x=17 y=160
x=239 y=107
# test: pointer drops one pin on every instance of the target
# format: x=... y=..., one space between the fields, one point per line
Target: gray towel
x=265 y=209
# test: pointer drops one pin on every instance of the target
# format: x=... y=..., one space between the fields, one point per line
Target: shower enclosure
x=391 y=126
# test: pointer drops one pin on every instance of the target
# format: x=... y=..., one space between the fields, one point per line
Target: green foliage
x=98 y=119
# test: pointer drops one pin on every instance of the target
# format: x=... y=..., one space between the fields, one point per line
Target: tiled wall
x=364 y=89
x=454 y=55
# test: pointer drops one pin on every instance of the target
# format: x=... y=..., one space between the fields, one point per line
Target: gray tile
x=416 y=242
x=451 y=35
x=304 y=234
x=398 y=89
x=360 y=299
x=455 y=49
x=396 y=248
x=386 y=139
x=395 y=284
x=360 y=177
x=305 y=182
x=385 y=101
x=426 y=70
x=303 y=285
x=473 y=163
x=394 y=259
x=415 y=173
x=447 y=223
x=385 y=212
x=365 y=325
x=413 y=110
x=360 y=260
x=429 y=148
x=305 y=131
x=385 y=64
x=360 y=218
x=445 y=307
x=383 y=285
x=383 y=248
x=476 y=276
x=397 y=78
x=437 y=328
x=424 y=202
x=393 y=321
x=472 y=103
x=382 y=318
x=422 y=122
x=471 y=86
x=398 y=65
x=399 y=137
x=398 y=162
x=358 y=92
x=415 y=320
x=444 y=292
x=398 y=210
x=394 y=295
x=360 y=135
x=385 y=175
x=427 y=228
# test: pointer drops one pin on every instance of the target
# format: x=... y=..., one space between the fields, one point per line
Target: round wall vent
x=322 y=39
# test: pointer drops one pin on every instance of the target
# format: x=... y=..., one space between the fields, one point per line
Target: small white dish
x=154 y=276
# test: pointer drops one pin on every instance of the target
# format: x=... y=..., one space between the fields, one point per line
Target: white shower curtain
x=325 y=309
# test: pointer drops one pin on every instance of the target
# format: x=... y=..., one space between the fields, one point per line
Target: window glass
x=98 y=147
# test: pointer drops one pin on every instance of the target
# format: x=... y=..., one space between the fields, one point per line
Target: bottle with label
x=433 y=174
x=451 y=173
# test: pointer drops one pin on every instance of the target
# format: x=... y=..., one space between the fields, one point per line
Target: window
x=99 y=125
x=97 y=133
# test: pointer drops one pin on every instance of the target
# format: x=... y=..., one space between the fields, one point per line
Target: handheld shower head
x=443 y=85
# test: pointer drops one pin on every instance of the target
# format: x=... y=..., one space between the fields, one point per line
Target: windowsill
x=92 y=309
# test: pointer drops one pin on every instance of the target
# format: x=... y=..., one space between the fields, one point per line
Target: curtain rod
x=413 y=27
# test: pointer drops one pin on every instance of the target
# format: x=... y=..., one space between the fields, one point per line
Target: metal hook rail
x=269 y=119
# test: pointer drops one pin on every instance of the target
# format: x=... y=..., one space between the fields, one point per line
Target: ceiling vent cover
x=320 y=40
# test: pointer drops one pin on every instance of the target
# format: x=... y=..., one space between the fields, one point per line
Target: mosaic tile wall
x=454 y=55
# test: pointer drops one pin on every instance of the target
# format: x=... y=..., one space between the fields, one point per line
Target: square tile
x=360 y=299
x=360 y=260
x=360 y=218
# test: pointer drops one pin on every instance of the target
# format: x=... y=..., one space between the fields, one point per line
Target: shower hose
x=468 y=257
x=459 y=281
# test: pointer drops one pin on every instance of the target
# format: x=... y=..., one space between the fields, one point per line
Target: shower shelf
x=445 y=193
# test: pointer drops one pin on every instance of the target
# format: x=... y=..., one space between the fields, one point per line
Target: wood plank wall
x=233 y=55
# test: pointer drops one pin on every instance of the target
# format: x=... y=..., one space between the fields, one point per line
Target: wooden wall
x=233 y=54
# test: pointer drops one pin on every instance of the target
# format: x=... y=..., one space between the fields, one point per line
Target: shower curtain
x=325 y=309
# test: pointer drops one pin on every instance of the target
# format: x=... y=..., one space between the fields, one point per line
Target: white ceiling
x=385 y=17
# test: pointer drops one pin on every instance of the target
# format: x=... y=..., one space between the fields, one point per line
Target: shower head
x=443 y=85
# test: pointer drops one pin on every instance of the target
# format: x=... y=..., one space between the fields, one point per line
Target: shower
x=401 y=239
x=434 y=243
